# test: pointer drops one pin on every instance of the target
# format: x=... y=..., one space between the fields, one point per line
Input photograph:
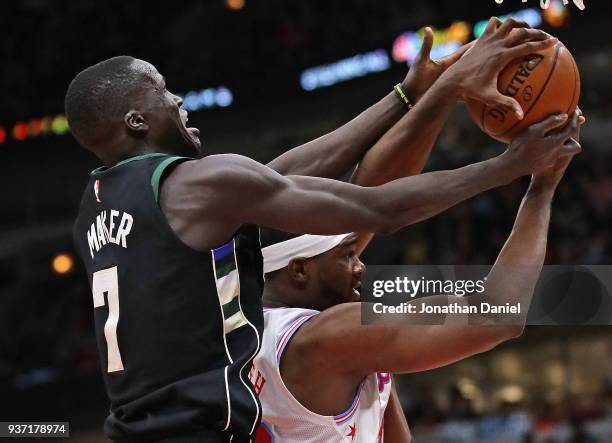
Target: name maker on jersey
x=101 y=234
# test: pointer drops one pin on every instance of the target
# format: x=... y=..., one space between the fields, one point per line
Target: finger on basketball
x=529 y=47
x=549 y=124
x=493 y=24
x=496 y=98
x=572 y=129
x=511 y=24
x=522 y=35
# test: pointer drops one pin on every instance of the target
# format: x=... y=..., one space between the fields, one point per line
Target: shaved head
x=121 y=107
x=100 y=96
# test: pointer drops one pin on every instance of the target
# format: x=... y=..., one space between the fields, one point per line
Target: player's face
x=340 y=273
x=167 y=121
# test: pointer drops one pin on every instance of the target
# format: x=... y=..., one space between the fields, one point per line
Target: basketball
x=544 y=83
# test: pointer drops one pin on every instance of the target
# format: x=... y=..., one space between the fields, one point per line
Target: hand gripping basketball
x=476 y=73
x=541 y=146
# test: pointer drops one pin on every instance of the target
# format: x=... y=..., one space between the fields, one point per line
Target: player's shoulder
x=225 y=169
x=211 y=164
x=279 y=319
x=327 y=327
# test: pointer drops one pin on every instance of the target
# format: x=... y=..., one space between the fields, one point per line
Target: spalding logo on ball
x=544 y=83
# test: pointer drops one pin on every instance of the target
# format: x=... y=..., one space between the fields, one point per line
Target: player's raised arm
x=333 y=154
x=232 y=190
x=404 y=149
x=327 y=339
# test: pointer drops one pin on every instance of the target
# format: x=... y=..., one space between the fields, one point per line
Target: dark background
x=48 y=360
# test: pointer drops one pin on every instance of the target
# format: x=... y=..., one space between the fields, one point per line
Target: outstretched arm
x=207 y=200
x=333 y=154
x=404 y=149
x=326 y=339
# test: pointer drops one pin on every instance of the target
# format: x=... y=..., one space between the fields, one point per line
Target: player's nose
x=359 y=267
x=178 y=100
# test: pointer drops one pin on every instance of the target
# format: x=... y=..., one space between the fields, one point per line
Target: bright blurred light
x=234 y=4
x=62 y=264
x=45 y=125
x=59 y=125
x=345 y=69
x=511 y=394
x=555 y=374
x=207 y=98
x=556 y=14
x=34 y=127
x=531 y=16
x=468 y=388
x=20 y=131
x=446 y=41
x=224 y=97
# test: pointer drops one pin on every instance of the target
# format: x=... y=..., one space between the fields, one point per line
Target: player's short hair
x=98 y=94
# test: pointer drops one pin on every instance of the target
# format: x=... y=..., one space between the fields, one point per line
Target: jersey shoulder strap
x=159 y=171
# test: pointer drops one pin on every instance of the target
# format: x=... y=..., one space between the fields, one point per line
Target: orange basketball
x=544 y=83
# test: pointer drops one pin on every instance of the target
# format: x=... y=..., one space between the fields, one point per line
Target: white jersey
x=285 y=420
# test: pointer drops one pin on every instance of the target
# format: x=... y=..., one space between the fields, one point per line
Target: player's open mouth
x=192 y=131
x=184 y=117
x=357 y=290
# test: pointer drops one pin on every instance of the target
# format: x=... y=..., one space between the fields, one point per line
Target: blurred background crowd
x=259 y=78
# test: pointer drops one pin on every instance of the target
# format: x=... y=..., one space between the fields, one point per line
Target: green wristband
x=403 y=97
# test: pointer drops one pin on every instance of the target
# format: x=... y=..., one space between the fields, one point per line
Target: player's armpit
x=336 y=342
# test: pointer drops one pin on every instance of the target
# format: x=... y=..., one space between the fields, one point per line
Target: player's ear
x=135 y=121
x=297 y=270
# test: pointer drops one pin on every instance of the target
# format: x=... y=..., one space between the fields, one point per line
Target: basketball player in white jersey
x=321 y=375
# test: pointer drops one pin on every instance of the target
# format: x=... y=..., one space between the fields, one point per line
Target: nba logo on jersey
x=97 y=190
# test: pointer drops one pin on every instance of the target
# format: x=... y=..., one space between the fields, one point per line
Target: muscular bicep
x=316 y=206
x=207 y=200
x=339 y=342
x=296 y=203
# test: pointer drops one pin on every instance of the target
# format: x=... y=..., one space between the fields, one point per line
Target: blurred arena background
x=259 y=77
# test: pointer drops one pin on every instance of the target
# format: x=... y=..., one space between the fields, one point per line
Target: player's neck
x=126 y=147
x=281 y=296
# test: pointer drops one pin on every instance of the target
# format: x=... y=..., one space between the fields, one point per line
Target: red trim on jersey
x=348 y=414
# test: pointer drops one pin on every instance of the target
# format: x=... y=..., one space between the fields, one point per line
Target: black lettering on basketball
x=522 y=72
x=531 y=62
x=498 y=114
x=511 y=90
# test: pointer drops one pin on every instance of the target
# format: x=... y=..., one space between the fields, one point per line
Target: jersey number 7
x=106 y=282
